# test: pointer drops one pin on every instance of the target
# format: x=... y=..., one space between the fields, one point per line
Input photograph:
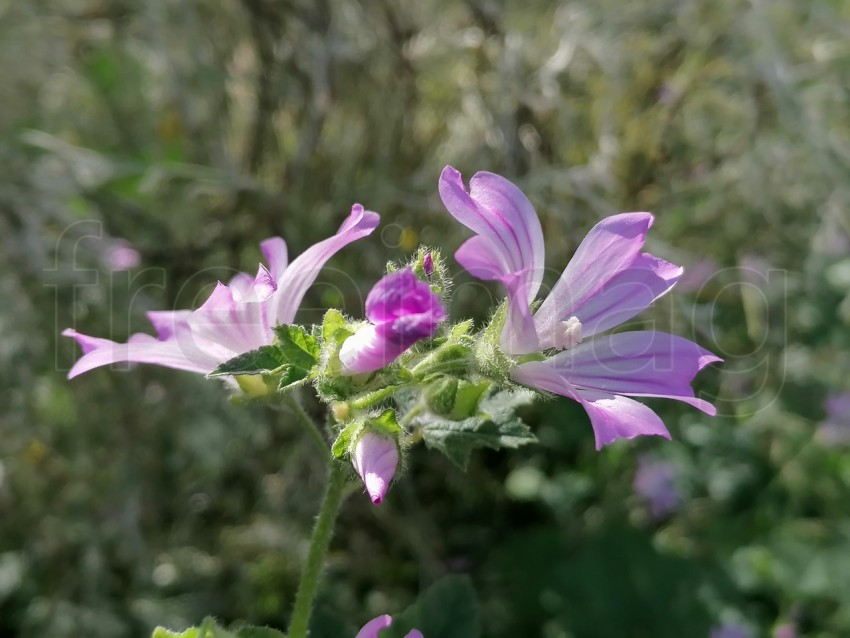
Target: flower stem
x=308 y=423
x=365 y=401
x=319 y=542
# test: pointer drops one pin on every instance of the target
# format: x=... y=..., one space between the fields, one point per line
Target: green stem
x=308 y=423
x=319 y=542
x=369 y=399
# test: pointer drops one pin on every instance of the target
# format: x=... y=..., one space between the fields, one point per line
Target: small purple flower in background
x=730 y=630
x=372 y=628
x=375 y=458
x=655 y=483
x=786 y=630
x=401 y=311
x=120 y=255
x=608 y=281
x=237 y=318
x=835 y=429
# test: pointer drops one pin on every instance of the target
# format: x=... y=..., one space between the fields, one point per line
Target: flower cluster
x=556 y=346
x=405 y=374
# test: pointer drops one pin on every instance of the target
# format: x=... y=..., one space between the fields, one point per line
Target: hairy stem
x=319 y=543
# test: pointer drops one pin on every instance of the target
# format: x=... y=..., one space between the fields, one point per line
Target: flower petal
x=375 y=458
x=240 y=326
x=627 y=294
x=498 y=211
x=616 y=417
x=141 y=348
x=612 y=417
x=302 y=272
x=372 y=628
x=276 y=255
x=643 y=363
x=609 y=249
x=165 y=322
x=508 y=247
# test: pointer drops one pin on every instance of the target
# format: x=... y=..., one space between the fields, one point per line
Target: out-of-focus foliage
x=195 y=128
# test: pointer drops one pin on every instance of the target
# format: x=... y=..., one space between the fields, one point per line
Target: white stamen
x=570 y=334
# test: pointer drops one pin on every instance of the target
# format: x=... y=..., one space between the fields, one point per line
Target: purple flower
x=401 y=310
x=835 y=429
x=786 y=630
x=608 y=281
x=730 y=630
x=237 y=317
x=120 y=255
x=655 y=483
x=372 y=628
x=375 y=458
x=428 y=265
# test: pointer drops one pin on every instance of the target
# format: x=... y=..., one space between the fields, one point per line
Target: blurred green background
x=188 y=130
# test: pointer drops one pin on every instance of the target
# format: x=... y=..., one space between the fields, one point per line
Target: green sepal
x=387 y=422
x=468 y=397
x=440 y=395
x=346 y=437
x=491 y=360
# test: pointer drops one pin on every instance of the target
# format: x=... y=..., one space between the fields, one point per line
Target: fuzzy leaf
x=495 y=426
x=265 y=360
x=300 y=348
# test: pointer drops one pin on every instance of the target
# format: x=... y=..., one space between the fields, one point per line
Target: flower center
x=570 y=334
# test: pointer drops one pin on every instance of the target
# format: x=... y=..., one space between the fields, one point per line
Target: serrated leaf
x=264 y=360
x=346 y=436
x=495 y=426
x=447 y=609
x=299 y=347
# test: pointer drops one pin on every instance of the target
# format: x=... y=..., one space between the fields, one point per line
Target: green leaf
x=161 y=632
x=343 y=441
x=448 y=609
x=259 y=632
x=495 y=426
x=300 y=348
x=264 y=360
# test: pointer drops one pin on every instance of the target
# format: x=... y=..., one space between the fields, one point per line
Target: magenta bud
x=375 y=458
x=428 y=264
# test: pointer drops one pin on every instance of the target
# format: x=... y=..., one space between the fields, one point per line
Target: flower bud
x=401 y=310
x=375 y=458
x=372 y=628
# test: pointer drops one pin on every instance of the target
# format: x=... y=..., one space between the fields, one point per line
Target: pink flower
x=608 y=281
x=375 y=458
x=372 y=628
x=120 y=255
x=237 y=317
x=401 y=311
